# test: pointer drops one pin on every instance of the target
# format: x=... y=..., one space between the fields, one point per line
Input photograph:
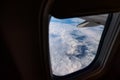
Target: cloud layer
x=72 y=48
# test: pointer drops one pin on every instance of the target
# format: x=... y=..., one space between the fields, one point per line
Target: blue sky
x=72 y=21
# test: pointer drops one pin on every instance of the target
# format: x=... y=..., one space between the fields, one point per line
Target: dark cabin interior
x=22 y=55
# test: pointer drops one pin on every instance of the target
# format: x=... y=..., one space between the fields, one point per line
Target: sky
x=72 y=48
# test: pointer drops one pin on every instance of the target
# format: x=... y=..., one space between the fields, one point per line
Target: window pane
x=73 y=42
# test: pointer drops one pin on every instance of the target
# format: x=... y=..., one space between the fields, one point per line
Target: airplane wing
x=92 y=21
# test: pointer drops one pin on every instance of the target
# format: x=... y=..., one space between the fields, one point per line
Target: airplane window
x=73 y=42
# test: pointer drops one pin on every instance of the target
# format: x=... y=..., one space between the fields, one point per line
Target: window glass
x=73 y=42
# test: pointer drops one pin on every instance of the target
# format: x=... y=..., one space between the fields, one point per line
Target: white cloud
x=72 y=48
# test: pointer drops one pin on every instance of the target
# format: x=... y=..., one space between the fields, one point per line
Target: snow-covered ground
x=72 y=48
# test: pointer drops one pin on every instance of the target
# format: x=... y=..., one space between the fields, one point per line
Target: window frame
x=103 y=53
